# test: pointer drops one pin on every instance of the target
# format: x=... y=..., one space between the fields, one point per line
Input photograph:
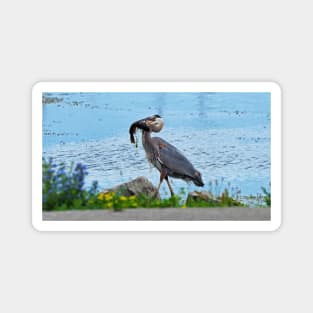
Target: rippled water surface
x=225 y=135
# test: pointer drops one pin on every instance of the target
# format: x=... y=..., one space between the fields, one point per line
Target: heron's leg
x=163 y=174
x=169 y=186
x=159 y=186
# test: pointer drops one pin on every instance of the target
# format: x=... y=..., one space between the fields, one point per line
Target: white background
x=155 y=40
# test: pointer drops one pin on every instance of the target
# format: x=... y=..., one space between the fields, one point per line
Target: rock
x=195 y=196
x=138 y=186
x=206 y=196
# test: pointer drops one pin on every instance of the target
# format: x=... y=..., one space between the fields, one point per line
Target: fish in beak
x=141 y=124
x=151 y=123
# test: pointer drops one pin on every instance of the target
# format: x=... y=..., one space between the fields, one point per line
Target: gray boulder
x=138 y=186
x=203 y=195
x=211 y=200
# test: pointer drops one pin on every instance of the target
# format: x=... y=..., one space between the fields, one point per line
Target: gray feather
x=173 y=159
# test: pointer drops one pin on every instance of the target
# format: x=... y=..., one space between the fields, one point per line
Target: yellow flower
x=109 y=205
x=132 y=197
x=101 y=196
x=108 y=197
x=184 y=206
x=123 y=198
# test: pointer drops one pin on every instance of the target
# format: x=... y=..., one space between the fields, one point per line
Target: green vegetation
x=63 y=189
x=111 y=200
x=267 y=196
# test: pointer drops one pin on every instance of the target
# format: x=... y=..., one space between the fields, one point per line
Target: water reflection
x=202 y=110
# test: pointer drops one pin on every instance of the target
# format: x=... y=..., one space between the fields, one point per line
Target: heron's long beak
x=139 y=124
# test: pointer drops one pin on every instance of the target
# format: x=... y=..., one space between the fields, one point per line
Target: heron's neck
x=146 y=137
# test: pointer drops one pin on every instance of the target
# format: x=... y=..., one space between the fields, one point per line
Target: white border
x=271 y=87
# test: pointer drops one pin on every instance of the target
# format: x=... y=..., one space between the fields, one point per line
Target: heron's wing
x=173 y=159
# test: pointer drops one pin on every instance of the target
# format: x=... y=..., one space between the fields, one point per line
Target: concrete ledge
x=165 y=214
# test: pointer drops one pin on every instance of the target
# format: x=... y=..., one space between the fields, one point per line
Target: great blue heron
x=164 y=156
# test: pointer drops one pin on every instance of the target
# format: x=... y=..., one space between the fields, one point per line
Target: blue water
x=225 y=135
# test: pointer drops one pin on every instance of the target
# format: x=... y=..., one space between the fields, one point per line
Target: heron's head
x=152 y=123
x=197 y=179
